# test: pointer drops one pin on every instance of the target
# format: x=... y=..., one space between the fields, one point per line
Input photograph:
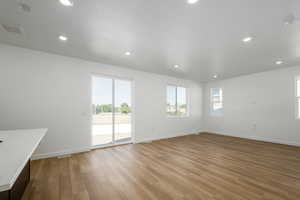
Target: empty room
x=149 y=100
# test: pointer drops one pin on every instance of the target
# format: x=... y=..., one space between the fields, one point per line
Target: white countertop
x=15 y=150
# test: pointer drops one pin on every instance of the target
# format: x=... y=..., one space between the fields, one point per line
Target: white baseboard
x=165 y=137
x=59 y=153
x=72 y=151
x=259 y=138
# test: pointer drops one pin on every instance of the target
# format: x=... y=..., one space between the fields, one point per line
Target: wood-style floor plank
x=196 y=167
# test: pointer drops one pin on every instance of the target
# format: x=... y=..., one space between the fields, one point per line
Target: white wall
x=39 y=90
x=259 y=106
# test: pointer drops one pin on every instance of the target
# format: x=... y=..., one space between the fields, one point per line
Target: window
x=298 y=98
x=216 y=100
x=176 y=101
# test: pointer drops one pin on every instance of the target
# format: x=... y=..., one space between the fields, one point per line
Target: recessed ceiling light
x=215 y=76
x=176 y=66
x=63 y=38
x=127 y=53
x=192 y=1
x=247 y=39
x=66 y=2
x=279 y=62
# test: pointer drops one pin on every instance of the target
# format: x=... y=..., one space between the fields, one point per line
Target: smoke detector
x=13 y=29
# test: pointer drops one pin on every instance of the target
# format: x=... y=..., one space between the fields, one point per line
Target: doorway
x=112 y=111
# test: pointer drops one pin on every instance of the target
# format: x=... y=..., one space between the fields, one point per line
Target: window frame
x=297 y=98
x=211 y=101
x=176 y=101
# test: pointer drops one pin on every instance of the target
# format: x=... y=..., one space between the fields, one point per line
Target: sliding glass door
x=112 y=110
x=102 y=111
x=122 y=128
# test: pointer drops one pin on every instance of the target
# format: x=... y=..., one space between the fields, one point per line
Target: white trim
x=113 y=111
x=297 y=98
x=177 y=117
x=258 y=138
x=60 y=153
x=87 y=149
x=148 y=140
x=297 y=108
x=111 y=76
x=111 y=145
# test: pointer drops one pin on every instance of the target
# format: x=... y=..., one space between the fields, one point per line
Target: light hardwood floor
x=201 y=167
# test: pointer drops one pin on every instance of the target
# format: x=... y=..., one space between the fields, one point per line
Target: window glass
x=216 y=101
x=215 y=92
x=181 y=101
x=171 y=100
x=176 y=101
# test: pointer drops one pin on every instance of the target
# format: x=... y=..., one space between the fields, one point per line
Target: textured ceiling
x=203 y=39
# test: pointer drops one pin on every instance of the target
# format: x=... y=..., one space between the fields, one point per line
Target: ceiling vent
x=25 y=7
x=12 y=29
x=290 y=19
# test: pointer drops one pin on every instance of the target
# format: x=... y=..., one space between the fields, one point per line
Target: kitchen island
x=16 y=149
